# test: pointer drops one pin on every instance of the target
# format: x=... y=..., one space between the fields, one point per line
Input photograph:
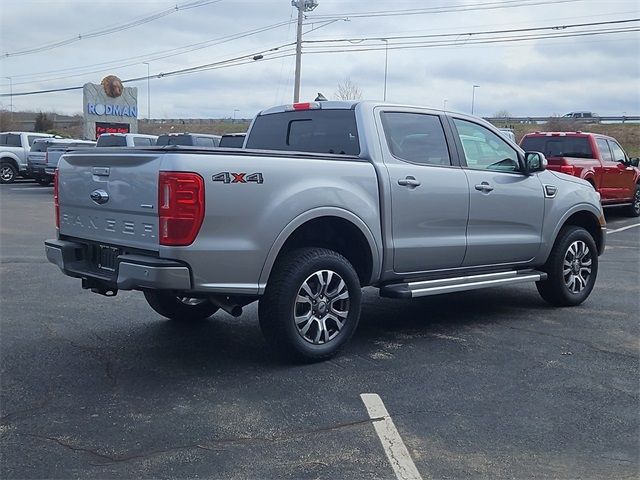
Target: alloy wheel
x=576 y=267
x=321 y=307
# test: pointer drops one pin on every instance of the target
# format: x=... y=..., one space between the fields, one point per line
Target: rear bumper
x=131 y=272
x=35 y=170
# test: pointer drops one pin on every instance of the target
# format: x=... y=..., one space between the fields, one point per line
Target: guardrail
x=622 y=119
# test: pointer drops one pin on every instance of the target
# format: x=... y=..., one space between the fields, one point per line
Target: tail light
x=180 y=207
x=568 y=169
x=56 y=203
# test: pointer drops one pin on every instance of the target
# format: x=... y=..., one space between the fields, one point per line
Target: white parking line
x=392 y=443
x=623 y=228
x=26 y=188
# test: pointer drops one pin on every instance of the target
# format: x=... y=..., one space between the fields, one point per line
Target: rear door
x=608 y=173
x=110 y=198
x=429 y=192
x=506 y=207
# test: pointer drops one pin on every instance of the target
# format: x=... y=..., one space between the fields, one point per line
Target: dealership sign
x=109 y=107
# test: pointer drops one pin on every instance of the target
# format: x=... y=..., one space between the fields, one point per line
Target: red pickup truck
x=598 y=159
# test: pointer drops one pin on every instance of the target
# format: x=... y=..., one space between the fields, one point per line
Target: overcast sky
x=598 y=73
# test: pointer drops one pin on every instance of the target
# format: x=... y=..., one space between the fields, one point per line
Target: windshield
x=111 y=141
x=232 y=141
x=321 y=131
x=175 y=140
x=577 y=147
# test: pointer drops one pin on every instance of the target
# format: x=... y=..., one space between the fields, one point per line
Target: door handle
x=484 y=187
x=410 y=182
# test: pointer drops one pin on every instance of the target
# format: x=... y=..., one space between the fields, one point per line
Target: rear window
x=175 y=140
x=111 y=141
x=10 y=140
x=577 y=147
x=318 y=131
x=40 y=146
x=232 y=141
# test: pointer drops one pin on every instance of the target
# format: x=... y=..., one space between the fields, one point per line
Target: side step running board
x=460 y=284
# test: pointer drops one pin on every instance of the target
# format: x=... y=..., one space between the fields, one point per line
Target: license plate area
x=107 y=257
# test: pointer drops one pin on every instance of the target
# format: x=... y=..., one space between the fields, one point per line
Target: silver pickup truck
x=324 y=199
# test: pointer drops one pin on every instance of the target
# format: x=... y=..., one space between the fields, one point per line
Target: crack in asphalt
x=215 y=445
x=98 y=354
x=48 y=396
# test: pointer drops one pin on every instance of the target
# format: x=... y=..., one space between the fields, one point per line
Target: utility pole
x=148 y=92
x=302 y=6
x=473 y=97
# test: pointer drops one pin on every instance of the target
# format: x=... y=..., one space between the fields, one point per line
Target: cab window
x=616 y=150
x=416 y=138
x=484 y=150
x=603 y=146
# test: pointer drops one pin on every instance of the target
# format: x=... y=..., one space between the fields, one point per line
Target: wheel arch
x=318 y=228
x=587 y=219
x=12 y=159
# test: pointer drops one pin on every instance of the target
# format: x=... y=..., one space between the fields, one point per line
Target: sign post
x=109 y=108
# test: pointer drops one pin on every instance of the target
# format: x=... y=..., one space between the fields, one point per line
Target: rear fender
x=311 y=215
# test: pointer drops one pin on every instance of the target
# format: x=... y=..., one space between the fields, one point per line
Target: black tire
x=8 y=172
x=331 y=318
x=633 y=210
x=174 y=307
x=570 y=283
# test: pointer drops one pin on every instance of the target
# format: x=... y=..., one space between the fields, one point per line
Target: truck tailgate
x=110 y=197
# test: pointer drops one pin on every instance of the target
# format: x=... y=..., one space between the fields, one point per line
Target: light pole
x=444 y=105
x=302 y=6
x=386 y=64
x=10 y=96
x=234 y=114
x=473 y=97
x=148 y=92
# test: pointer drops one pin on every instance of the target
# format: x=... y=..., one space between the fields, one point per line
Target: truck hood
x=570 y=178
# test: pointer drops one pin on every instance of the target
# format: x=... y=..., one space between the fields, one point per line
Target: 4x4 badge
x=99 y=196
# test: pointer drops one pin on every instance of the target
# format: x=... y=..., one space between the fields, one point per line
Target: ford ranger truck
x=324 y=199
x=598 y=159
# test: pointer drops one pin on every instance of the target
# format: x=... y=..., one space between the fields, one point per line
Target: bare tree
x=347 y=90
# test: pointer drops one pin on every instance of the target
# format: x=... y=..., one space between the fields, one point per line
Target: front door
x=429 y=195
x=625 y=184
x=506 y=207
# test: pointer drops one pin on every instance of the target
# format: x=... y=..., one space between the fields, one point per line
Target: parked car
x=509 y=133
x=126 y=140
x=598 y=159
x=232 y=140
x=189 y=139
x=326 y=197
x=14 y=148
x=45 y=153
x=581 y=117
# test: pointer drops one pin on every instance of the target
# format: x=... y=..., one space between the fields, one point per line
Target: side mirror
x=634 y=161
x=534 y=162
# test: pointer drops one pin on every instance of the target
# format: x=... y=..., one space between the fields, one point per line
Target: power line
x=112 y=29
x=476 y=33
x=136 y=60
x=456 y=8
x=281 y=51
x=447 y=43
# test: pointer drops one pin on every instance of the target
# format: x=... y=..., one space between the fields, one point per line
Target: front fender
x=312 y=214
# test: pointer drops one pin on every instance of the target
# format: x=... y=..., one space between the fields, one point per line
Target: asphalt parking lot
x=485 y=384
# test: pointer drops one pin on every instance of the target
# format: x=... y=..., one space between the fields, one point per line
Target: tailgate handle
x=100 y=171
